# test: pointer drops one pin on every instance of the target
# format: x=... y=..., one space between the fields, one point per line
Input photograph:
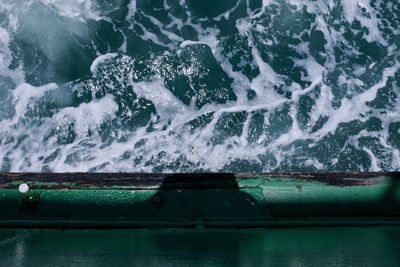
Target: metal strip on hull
x=107 y=200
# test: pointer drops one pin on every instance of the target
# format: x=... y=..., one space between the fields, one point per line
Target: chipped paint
x=210 y=200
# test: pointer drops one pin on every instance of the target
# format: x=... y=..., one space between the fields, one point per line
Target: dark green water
x=370 y=246
x=190 y=85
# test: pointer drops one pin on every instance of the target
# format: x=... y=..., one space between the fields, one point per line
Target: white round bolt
x=23 y=188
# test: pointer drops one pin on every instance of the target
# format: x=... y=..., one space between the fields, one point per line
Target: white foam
x=88 y=116
x=131 y=10
x=76 y=9
x=171 y=139
x=23 y=95
x=167 y=105
x=350 y=9
x=101 y=59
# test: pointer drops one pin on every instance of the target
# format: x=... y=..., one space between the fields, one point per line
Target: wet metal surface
x=211 y=200
x=367 y=246
x=184 y=180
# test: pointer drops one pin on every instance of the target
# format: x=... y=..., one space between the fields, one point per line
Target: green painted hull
x=85 y=200
x=338 y=246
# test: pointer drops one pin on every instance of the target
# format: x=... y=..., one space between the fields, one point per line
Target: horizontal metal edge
x=271 y=201
x=113 y=224
x=187 y=180
x=187 y=200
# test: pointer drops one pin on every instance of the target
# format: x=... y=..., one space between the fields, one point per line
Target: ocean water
x=195 y=86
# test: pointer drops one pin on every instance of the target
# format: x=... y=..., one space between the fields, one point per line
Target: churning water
x=199 y=85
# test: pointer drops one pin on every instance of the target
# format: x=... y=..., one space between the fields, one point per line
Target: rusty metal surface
x=186 y=180
x=329 y=178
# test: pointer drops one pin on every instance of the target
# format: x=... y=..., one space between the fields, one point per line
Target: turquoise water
x=191 y=86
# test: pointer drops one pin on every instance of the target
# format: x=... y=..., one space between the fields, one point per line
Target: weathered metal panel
x=338 y=246
x=199 y=200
